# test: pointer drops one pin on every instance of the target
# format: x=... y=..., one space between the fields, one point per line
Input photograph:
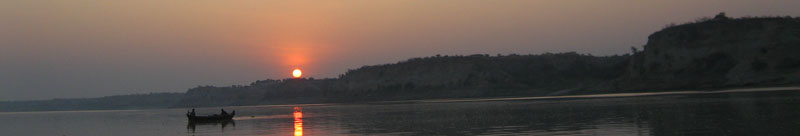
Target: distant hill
x=426 y=78
x=119 y=102
x=711 y=53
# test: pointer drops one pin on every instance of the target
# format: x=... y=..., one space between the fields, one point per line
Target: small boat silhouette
x=223 y=116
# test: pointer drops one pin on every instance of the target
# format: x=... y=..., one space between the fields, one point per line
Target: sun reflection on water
x=298 y=121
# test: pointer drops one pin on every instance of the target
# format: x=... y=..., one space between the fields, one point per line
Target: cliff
x=719 y=52
x=485 y=76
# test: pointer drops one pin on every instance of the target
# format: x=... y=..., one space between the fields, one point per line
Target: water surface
x=735 y=113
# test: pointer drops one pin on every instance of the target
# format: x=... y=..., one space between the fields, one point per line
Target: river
x=728 y=113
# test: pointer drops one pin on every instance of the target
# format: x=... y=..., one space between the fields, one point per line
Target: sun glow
x=297 y=73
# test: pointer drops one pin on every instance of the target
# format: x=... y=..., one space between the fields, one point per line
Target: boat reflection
x=298 y=121
x=223 y=123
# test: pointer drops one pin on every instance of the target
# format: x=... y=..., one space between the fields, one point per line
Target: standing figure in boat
x=190 y=113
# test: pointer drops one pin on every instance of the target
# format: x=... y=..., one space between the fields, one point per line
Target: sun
x=297 y=73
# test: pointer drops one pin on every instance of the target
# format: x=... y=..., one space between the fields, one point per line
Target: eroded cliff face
x=719 y=52
x=484 y=76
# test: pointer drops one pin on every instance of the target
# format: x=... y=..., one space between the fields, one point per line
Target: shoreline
x=615 y=95
x=587 y=96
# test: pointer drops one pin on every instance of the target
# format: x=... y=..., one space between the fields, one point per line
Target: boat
x=224 y=116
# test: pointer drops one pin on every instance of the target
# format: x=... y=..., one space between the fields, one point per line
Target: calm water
x=760 y=113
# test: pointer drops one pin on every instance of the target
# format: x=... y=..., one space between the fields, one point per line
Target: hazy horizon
x=81 y=49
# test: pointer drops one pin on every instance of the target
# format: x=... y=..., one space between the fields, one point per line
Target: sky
x=94 y=48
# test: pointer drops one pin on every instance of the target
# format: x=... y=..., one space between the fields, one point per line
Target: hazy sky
x=91 y=48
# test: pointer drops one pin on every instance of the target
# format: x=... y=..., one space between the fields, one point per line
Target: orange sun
x=296 y=73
